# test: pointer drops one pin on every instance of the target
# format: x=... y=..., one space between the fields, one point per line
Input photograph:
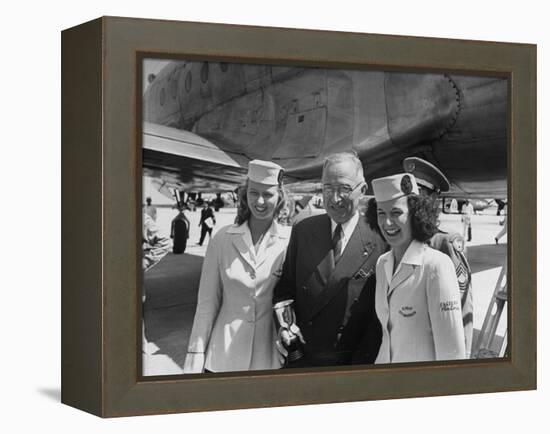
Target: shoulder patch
x=458 y=244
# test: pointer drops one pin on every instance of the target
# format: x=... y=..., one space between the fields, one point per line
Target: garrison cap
x=427 y=175
x=394 y=187
x=265 y=172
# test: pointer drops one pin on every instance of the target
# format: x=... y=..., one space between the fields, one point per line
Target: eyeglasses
x=343 y=190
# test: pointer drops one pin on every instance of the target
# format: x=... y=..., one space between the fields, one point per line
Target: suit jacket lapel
x=274 y=234
x=404 y=272
x=243 y=243
x=357 y=252
x=412 y=257
x=264 y=248
x=323 y=242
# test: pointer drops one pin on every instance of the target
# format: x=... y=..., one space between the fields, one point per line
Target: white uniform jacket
x=233 y=329
x=418 y=307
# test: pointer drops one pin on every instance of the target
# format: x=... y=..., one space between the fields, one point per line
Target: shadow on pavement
x=486 y=256
x=171 y=289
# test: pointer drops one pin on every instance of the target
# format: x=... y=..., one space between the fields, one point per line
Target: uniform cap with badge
x=427 y=175
x=394 y=187
x=265 y=172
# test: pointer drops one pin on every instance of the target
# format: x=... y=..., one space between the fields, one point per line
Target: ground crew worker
x=180 y=231
x=154 y=247
x=467 y=213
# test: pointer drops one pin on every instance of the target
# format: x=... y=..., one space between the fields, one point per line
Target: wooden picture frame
x=101 y=204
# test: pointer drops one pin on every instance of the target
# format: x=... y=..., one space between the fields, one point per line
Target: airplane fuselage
x=297 y=116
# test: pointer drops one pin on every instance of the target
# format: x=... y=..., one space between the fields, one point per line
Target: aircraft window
x=162 y=96
x=188 y=81
x=224 y=66
x=204 y=72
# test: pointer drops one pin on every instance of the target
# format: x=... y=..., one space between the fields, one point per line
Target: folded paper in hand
x=209 y=222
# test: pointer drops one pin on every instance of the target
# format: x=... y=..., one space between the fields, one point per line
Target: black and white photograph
x=301 y=217
x=211 y=216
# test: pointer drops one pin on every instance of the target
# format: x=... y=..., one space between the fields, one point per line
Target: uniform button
x=252 y=274
x=304 y=288
x=310 y=323
x=341 y=329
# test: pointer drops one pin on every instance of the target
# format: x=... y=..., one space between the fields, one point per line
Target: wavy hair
x=423 y=216
x=289 y=204
x=243 y=210
x=371 y=215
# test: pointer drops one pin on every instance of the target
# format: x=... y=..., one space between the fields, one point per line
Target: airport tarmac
x=171 y=286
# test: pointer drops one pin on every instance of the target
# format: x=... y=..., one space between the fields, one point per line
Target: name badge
x=407 y=311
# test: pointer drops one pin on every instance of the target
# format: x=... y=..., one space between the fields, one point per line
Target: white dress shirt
x=347 y=229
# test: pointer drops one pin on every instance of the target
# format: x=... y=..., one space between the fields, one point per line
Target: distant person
x=180 y=231
x=454 y=206
x=467 y=213
x=286 y=212
x=150 y=210
x=154 y=245
x=207 y=221
x=233 y=329
x=500 y=205
x=199 y=201
x=304 y=208
x=504 y=229
x=417 y=295
x=154 y=248
x=218 y=202
x=431 y=181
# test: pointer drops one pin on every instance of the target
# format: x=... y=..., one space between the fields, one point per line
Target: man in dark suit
x=329 y=274
x=207 y=221
x=179 y=231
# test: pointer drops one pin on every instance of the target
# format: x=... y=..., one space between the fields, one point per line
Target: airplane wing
x=185 y=160
x=179 y=159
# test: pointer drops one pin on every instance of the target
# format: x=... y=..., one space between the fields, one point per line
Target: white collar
x=413 y=256
x=275 y=230
x=347 y=227
x=241 y=237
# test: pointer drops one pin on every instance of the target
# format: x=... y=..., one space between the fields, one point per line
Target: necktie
x=337 y=243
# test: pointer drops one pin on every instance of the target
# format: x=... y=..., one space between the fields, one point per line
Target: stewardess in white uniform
x=417 y=296
x=233 y=328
